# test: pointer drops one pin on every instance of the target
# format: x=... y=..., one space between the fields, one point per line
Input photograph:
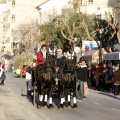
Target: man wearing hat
x=59 y=58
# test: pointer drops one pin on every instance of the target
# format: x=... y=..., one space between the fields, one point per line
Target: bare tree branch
x=87 y=31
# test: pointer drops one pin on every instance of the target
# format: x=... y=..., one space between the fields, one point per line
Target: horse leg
x=74 y=95
x=40 y=103
x=62 y=97
x=50 y=98
x=45 y=98
x=68 y=103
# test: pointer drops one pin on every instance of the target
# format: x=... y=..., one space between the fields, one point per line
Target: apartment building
x=93 y=7
x=18 y=12
x=3 y=26
x=4 y=42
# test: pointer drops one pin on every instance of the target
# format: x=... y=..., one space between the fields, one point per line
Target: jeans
x=2 y=82
x=97 y=85
x=79 y=89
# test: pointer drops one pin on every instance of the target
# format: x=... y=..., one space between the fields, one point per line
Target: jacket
x=82 y=73
x=60 y=61
x=40 y=58
x=97 y=74
x=28 y=69
x=116 y=76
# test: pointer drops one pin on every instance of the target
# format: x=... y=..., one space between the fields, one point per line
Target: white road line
x=115 y=109
x=96 y=103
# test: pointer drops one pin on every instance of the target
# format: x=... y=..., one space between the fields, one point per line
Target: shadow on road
x=115 y=97
x=23 y=95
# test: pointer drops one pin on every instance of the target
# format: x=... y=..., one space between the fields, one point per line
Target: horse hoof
x=61 y=106
x=50 y=106
x=75 y=106
x=68 y=104
x=39 y=105
x=45 y=104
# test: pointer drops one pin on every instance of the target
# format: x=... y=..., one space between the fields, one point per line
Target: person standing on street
x=97 y=77
x=116 y=80
x=104 y=70
x=82 y=76
x=28 y=79
x=0 y=74
x=3 y=77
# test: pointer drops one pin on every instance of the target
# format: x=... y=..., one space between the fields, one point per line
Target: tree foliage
x=22 y=59
x=51 y=33
x=63 y=28
x=27 y=34
x=115 y=20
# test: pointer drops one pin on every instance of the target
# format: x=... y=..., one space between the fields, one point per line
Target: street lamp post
x=101 y=30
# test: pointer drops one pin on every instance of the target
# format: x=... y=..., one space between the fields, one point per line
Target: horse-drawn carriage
x=49 y=80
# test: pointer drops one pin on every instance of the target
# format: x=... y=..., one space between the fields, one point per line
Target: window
x=90 y=1
x=66 y=10
x=13 y=4
x=8 y=40
x=13 y=18
x=4 y=28
x=9 y=11
x=8 y=26
x=98 y=8
x=12 y=32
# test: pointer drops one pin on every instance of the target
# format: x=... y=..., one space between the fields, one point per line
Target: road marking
x=96 y=103
x=115 y=109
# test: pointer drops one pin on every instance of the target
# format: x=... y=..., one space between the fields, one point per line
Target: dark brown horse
x=67 y=75
x=45 y=74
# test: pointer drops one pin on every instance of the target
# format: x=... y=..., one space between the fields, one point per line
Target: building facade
x=57 y=7
x=98 y=8
x=3 y=28
x=18 y=12
x=51 y=8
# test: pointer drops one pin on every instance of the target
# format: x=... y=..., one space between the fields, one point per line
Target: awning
x=90 y=53
x=112 y=56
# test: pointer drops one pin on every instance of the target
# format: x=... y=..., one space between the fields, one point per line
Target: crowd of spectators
x=104 y=77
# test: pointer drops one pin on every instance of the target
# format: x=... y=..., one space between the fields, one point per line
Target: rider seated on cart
x=62 y=56
x=41 y=55
x=59 y=60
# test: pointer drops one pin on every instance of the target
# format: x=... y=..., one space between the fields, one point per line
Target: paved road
x=13 y=106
